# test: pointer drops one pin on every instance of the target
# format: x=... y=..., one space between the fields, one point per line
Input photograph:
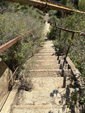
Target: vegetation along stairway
x=47 y=83
x=49 y=89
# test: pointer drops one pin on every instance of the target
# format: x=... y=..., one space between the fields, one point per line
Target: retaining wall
x=5 y=74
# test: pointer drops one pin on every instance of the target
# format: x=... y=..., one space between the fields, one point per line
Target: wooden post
x=59 y=34
x=63 y=15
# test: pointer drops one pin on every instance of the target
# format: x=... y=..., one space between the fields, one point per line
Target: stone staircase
x=51 y=88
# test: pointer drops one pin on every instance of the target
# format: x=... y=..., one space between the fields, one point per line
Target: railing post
x=59 y=34
x=69 y=48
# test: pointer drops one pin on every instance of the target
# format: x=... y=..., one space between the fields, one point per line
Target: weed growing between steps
x=25 y=84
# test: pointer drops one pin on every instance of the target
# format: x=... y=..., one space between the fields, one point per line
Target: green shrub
x=74 y=22
x=17 y=20
x=82 y=5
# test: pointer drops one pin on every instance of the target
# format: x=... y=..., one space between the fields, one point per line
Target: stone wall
x=5 y=74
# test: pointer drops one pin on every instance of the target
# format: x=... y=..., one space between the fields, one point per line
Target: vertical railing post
x=69 y=48
x=59 y=34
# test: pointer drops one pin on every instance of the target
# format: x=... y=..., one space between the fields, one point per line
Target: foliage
x=70 y=3
x=74 y=22
x=52 y=34
x=63 y=2
x=82 y=5
x=52 y=20
x=77 y=52
x=52 y=12
x=16 y=20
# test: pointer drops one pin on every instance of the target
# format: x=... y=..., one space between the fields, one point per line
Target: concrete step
x=38 y=64
x=50 y=83
x=45 y=57
x=49 y=73
x=46 y=62
x=43 y=74
x=56 y=97
x=48 y=48
x=46 y=66
x=48 y=44
x=45 y=54
x=47 y=51
x=42 y=64
x=39 y=109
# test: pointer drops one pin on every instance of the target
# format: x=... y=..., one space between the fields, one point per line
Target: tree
x=82 y=5
x=63 y=2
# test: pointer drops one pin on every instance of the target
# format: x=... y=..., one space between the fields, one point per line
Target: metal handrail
x=72 y=31
x=7 y=45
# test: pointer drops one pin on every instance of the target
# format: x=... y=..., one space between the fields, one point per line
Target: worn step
x=39 y=109
x=44 y=97
x=43 y=74
x=38 y=64
x=47 y=50
x=48 y=44
x=44 y=67
x=46 y=57
x=49 y=72
x=50 y=83
x=45 y=54
x=39 y=61
x=43 y=63
x=47 y=66
x=46 y=62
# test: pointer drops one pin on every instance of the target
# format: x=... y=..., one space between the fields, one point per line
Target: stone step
x=47 y=51
x=44 y=67
x=46 y=62
x=42 y=64
x=35 y=67
x=49 y=73
x=45 y=54
x=37 y=64
x=56 y=97
x=39 y=109
x=45 y=57
x=50 y=83
x=50 y=45
x=43 y=74
x=50 y=50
